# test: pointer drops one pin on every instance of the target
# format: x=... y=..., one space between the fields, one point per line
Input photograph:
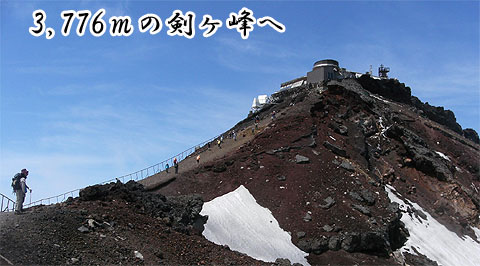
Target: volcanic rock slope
x=113 y=224
x=322 y=164
x=327 y=166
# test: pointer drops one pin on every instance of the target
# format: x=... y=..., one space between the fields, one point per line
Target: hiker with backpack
x=20 y=187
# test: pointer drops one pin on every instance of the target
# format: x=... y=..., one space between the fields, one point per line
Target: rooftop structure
x=323 y=70
x=329 y=69
x=259 y=102
x=294 y=83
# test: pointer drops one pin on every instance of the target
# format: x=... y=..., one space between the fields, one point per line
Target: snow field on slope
x=434 y=240
x=238 y=221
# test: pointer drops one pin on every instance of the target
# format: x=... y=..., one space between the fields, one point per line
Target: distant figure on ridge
x=198 y=159
x=166 y=167
x=175 y=164
x=218 y=143
x=273 y=115
x=20 y=188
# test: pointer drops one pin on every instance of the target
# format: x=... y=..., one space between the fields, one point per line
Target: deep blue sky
x=80 y=110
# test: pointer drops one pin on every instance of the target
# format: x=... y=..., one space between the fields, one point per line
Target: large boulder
x=471 y=134
x=376 y=243
x=301 y=159
x=424 y=159
x=396 y=91
x=351 y=242
x=181 y=212
x=314 y=245
x=388 y=88
x=115 y=189
x=329 y=202
x=438 y=114
x=368 y=196
x=335 y=149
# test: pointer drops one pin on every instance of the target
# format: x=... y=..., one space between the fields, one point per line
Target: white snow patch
x=238 y=221
x=379 y=98
x=434 y=240
x=442 y=155
x=384 y=129
x=474 y=187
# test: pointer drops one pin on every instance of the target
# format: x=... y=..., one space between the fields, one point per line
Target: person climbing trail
x=175 y=164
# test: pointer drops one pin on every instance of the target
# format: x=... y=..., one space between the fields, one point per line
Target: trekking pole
x=30 y=197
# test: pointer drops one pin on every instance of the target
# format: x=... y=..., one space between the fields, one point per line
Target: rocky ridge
x=320 y=166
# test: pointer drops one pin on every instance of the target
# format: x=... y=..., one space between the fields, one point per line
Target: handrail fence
x=5 y=205
x=138 y=175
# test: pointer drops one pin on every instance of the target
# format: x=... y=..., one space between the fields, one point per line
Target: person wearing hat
x=20 y=188
x=175 y=164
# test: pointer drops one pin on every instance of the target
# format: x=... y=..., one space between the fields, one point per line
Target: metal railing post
x=5 y=205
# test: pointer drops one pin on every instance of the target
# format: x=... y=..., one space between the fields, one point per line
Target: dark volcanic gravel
x=118 y=228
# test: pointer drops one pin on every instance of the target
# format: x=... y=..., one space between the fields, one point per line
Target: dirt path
x=3 y=218
x=6 y=218
x=206 y=155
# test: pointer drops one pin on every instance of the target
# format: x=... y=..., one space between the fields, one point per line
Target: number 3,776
x=120 y=26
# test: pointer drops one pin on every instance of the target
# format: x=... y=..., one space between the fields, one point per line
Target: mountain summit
x=350 y=171
x=328 y=165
